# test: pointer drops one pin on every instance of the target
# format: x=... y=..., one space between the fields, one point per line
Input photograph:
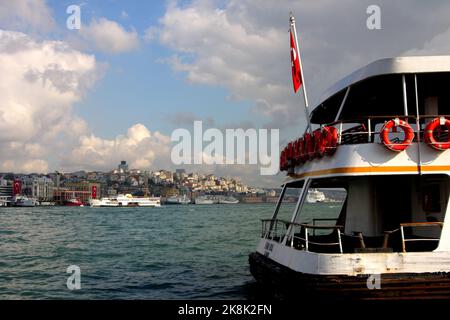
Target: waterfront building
x=6 y=189
x=39 y=188
x=84 y=191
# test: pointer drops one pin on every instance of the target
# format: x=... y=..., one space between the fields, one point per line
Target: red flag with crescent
x=94 y=192
x=17 y=187
x=295 y=63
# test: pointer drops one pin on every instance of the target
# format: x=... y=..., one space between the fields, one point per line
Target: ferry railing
x=362 y=130
x=414 y=225
x=299 y=233
x=274 y=229
x=299 y=228
x=322 y=220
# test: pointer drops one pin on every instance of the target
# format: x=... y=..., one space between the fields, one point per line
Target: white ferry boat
x=228 y=200
x=126 y=200
x=104 y=202
x=382 y=134
x=178 y=200
x=23 y=201
x=206 y=200
x=315 y=196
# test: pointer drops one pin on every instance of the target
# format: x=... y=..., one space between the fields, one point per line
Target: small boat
x=23 y=201
x=74 y=202
x=178 y=200
x=206 y=200
x=46 y=203
x=228 y=200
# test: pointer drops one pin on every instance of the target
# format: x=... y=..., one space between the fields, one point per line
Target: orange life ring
x=303 y=155
x=331 y=137
x=298 y=149
x=290 y=154
x=319 y=143
x=429 y=134
x=309 y=146
x=397 y=146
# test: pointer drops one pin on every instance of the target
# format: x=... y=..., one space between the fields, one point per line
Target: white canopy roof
x=397 y=65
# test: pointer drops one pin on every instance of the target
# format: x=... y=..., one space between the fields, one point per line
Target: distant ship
x=228 y=200
x=178 y=200
x=104 y=202
x=206 y=200
x=315 y=196
x=126 y=200
x=46 y=203
x=23 y=201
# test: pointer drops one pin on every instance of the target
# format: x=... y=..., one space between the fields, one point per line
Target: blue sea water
x=172 y=252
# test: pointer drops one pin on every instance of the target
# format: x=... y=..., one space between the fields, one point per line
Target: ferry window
x=288 y=204
x=434 y=97
x=377 y=96
x=324 y=207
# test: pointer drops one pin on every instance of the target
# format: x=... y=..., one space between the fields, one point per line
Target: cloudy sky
x=135 y=71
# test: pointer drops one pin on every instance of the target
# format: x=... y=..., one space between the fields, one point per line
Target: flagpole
x=292 y=20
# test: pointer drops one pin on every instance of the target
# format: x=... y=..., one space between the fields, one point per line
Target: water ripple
x=175 y=252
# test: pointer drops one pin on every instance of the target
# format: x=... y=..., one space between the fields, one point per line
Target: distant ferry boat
x=104 y=202
x=228 y=200
x=216 y=200
x=126 y=201
x=206 y=200
x=315 y=196
x=178 y=200
x=23 y=201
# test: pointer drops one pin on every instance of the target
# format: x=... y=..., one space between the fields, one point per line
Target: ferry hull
x=392 y=286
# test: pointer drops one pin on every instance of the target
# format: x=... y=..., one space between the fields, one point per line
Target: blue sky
x=138 y=85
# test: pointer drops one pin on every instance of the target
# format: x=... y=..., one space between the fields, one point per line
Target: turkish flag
x=17 y=187
x=295 y=63
x=94 y=192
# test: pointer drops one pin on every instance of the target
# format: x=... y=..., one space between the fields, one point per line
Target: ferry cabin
x=381 y=134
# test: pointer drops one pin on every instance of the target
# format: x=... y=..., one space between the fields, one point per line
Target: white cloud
x=243 y=45
x=109 y=36
x=215 y=47
x=40 y=83
x=26 y=15
x=23 y=165
x=139 y=146
x=438 y=45
x=41 y=80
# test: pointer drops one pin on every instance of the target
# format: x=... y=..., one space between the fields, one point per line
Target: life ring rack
x=322 y=142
